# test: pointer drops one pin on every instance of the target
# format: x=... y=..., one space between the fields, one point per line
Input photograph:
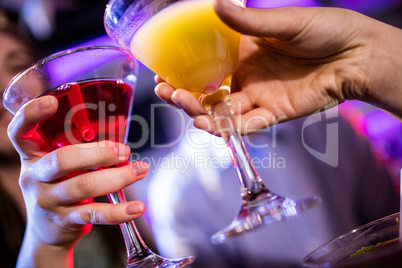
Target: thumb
x=282 y=23
x=22 y=129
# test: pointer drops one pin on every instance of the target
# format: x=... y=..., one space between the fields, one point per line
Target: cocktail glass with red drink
x=94 y=87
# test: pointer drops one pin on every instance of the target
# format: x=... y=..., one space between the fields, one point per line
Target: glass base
x=155 y=261
x=267 y=209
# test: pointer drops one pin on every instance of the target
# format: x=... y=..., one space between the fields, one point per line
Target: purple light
x=364 y=6
x=281 y=3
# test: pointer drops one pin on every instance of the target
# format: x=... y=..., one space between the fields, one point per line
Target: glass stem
x=135 y=246
x=251 y=184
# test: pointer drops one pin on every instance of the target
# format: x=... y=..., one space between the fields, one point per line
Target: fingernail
x=135 y=209
x=140 y=168
x=121 y=150
x=45 y=103
x=176 y=102
x=239 y=3
x=232 y=5
x=173 y=106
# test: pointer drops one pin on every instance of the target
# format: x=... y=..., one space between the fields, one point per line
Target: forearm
x=385 y=69
x=35 y=253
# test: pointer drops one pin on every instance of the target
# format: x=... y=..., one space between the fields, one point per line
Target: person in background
x=45 y=220
x=14 y=57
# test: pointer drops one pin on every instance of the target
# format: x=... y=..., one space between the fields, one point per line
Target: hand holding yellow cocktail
x=187 y=45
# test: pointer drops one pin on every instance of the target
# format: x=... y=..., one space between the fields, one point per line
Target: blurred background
x=59 y=24
x=62 y=24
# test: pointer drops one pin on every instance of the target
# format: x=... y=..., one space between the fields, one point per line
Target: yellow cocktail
x=188 y=46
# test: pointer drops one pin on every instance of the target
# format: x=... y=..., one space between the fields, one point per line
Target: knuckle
x=92 y=216
x=98 y=149
x=28 y=177
x=104 y=151
x=126 y=174
x=11 y=130
x=43 y=204
x=58 y=158
x=85 y=185
x=25 y=181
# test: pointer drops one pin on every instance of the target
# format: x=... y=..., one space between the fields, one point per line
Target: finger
x=240 y=104
x=158 y=79
x=206 y=123
x=164 y=91
x=281 y=23
x=22 y=129
x=256 y=120
x=97 y=183
x=186 y=101
x=247 y=123
x=101 y=213
x=85 y=156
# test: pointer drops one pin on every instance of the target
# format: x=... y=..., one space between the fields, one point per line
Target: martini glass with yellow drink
x=187 y=45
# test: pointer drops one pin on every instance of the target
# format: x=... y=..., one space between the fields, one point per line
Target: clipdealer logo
x=331 y=154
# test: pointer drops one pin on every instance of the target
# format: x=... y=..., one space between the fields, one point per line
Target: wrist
x=385 y=85
x=36 y=253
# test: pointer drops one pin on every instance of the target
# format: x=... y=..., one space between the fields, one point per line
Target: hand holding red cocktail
x=70 y=122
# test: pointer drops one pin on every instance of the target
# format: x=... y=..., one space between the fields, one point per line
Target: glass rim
x=56 y=55
x=307 y=262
